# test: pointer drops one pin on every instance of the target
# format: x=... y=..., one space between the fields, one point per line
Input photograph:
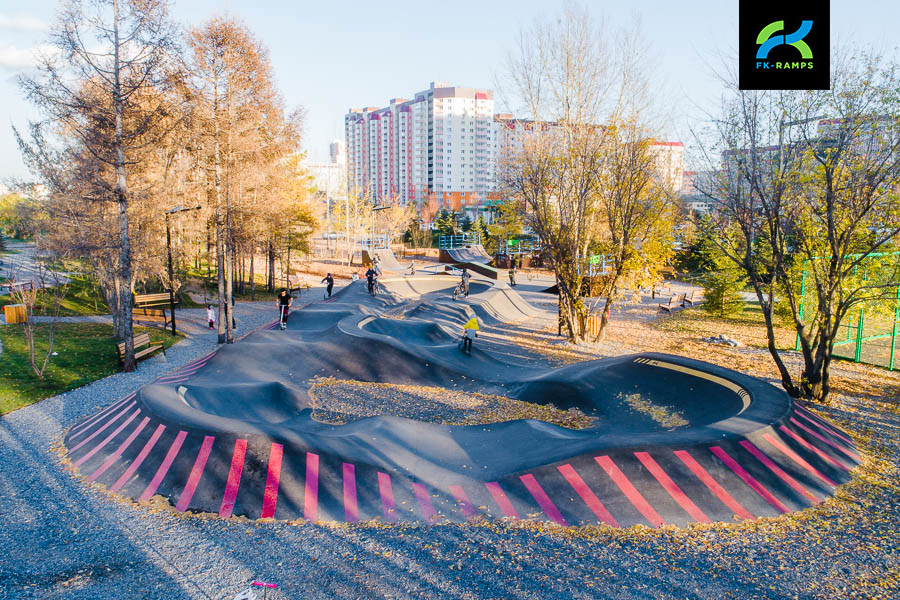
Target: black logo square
x=784 y=46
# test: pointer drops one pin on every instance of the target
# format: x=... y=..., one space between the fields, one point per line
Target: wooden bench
x=15 y=286
x=139 y=342
x=674 y=302
x=690 y=299
x=151 y=308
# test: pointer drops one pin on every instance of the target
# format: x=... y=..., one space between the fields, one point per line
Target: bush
x=722 y=292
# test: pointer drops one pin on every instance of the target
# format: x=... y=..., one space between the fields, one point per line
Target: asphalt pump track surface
x=675 y=440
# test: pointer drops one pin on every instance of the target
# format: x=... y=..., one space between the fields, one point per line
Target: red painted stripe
x=634 y=496
x=462 y=500
x=112 y=420
x=589 y=498
x=502 y=499
x=234 y=478
x=164 y=467
x=821 y=438
x=122 y=447
x=273 y=477
x=311 y=488
x=813 y=449
x=387 y=497
x=424 y=501
x=351 y=507
x=821 y=423
x=106 y=440
x=764 y=459
x=196 y=472
x=797 y=458
x=139 y=459
x=671 y=487
x=713 y=485
x=81 y=429
x=543 y=499
x=748 y=479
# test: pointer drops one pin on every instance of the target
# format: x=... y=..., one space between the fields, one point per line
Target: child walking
x=211 y=316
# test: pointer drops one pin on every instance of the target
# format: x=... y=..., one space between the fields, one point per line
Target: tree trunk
x=252 y=275
x=121 y=193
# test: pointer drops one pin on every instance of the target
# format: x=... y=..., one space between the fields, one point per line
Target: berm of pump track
x=232 y=433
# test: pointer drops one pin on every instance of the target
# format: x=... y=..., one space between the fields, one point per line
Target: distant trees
x=809 y=181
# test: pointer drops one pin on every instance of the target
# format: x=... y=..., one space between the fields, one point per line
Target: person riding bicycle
x=283 y=302
x=329 y=280
x=465 y=277
x=512 y=270
x=470 y=332
x=372 y=278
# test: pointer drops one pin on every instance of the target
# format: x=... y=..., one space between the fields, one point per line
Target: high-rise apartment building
x=441 y=144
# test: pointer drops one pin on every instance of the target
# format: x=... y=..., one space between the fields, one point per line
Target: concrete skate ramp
x=483 y=269
x=675 y=440
x=414 y=287
x=474 y=254
x=387 y=261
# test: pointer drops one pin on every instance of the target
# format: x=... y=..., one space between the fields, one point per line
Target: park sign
x=784 y=46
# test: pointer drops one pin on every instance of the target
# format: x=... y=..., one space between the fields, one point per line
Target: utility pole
x=169 y=252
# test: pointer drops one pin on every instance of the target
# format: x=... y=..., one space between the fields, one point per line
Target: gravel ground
x=66 y=539
x=339 y=402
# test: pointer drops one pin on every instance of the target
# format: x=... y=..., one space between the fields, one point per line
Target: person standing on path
x=466 y=276
x=330 y=281
x=283 y=302
x=211 y=316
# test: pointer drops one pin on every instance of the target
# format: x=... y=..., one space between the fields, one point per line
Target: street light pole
x=169 y=252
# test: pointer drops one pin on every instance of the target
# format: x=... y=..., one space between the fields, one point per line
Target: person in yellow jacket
x=470 y=332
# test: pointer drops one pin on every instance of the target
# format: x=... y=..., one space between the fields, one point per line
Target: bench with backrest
x=15 y=286
x=140 y=352
x=151 y=308
x=674 y=302
x=691 y=299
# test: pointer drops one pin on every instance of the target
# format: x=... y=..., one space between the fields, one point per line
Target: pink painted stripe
x=184 y=501
x=671 y=487
x=273 y=477
x=502 y=499
x=351 y=507
x=100 y=430
x=797 y=458
x=713 y=485
x=234 y=478
x=424 y=501
x=139 y=459
x=122 y=447
x=462 y=501
x=634 y=496
x=818 y=422
x=543 y=499
x=764 y=459
x=813 y=449
x=822 y=438
x=106 y=440
x=311 y=488
x=748 y=479
x=164 y=467
x=388 y=507
x=588 y=496
x=81 y=429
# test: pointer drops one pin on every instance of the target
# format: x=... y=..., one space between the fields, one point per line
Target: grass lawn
x=87 y=352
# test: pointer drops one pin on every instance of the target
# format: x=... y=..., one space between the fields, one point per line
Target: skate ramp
x=387 y=261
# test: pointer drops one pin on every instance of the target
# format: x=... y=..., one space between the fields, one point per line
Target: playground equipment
x=523 y=245
x=868 y=338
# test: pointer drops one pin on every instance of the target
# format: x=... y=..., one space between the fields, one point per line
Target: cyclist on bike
x=372 y=279
x=465 y=277
x=512 y=271
x=283 y=302
x=329 y=280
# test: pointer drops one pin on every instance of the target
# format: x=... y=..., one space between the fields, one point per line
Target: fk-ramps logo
x=784 y=47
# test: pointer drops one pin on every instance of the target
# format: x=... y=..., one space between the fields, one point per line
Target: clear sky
x=330 y=55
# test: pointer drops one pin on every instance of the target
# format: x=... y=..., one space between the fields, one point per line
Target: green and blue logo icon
x=767 y=40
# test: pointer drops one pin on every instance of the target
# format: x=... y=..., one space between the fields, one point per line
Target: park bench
x=16 y=286
x=151 y=308
x=674 y=302
x=690 y=299
x=139 y=342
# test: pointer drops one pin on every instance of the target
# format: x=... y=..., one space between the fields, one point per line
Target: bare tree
x=92 y=90
x=807 y=182
x=26 y=294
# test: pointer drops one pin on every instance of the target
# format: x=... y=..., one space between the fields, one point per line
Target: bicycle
x=459 y=290
x=373 y=287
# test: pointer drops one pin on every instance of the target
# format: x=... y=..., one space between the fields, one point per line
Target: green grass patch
x=748 y=327
x=87 y=352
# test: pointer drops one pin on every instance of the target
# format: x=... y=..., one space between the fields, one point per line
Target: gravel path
x=65 y=539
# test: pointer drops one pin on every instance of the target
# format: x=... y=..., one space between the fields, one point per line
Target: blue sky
x=331 y=55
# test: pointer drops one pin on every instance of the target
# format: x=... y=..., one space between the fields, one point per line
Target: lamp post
x=172 y=211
